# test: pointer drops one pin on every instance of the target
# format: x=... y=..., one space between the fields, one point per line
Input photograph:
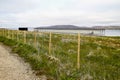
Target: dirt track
x=13 y=67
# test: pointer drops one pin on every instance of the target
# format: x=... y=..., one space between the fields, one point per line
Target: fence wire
x=97 y=59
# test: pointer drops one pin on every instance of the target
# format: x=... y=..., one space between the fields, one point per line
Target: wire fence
x=49 y=43
x=95 y=58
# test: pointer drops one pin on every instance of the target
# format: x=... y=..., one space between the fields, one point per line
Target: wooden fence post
x=78 y=55
x=3 y=33
x=35 y=40
x=24 y=36
x=15 y=34
x=6 y=33
x=0 y=32
x=9 y=34
x=12 y=34
x=50 y=43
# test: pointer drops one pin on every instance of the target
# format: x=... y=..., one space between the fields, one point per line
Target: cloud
x=50 y=12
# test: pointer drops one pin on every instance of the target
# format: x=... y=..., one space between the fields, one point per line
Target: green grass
x=99 y=56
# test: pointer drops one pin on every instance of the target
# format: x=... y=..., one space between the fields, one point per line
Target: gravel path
x=13 y=67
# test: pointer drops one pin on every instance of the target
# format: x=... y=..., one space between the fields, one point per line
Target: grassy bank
x=100 y=57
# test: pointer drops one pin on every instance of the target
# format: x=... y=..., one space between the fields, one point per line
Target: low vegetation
x=99 y=56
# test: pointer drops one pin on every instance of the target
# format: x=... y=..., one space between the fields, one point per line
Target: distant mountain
x=62 y=27
x=59 y=27
x=66 y=27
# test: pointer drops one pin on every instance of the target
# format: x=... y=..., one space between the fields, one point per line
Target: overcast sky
x=32 y=13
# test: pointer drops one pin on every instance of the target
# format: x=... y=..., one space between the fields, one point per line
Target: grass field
x=99 y=56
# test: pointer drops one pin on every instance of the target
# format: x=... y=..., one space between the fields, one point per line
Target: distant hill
x=59 y=27
x=66 y=27
x=73 y=27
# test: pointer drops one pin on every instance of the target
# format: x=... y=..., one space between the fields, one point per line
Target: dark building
x=23 y=28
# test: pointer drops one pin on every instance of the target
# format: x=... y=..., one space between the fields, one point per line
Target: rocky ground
x=12 y=67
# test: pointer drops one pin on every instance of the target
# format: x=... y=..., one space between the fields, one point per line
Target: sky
x=35 y=13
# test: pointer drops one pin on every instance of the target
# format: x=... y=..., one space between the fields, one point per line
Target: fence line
x=24 y=36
